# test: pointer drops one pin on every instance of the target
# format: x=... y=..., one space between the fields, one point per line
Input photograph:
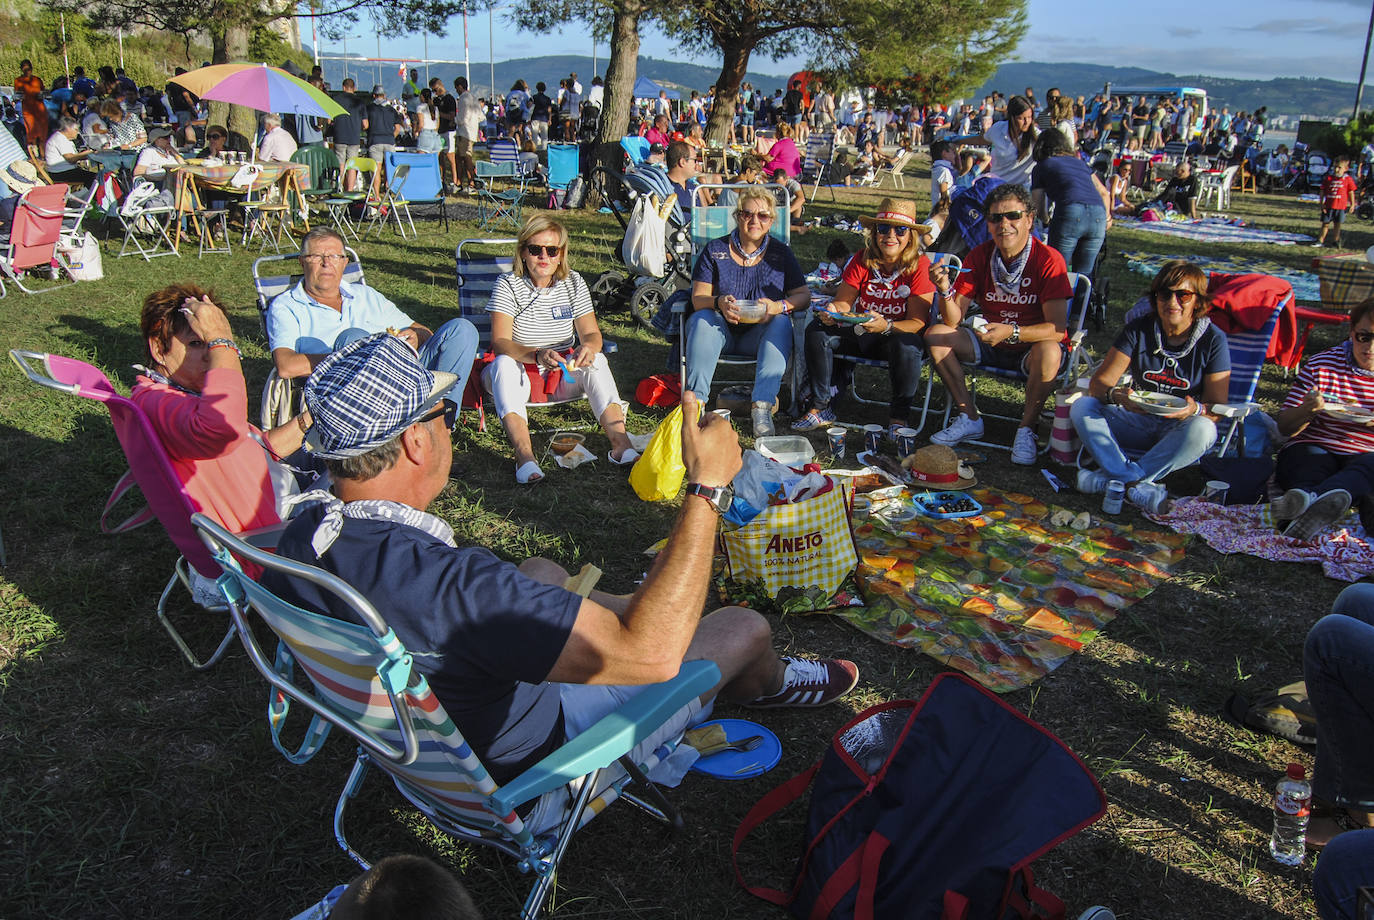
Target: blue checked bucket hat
x=368 y=392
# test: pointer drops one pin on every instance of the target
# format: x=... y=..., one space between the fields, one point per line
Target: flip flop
x=529 y=473
x=630 y=456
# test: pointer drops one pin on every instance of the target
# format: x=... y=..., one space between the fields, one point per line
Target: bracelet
x=224 y=343
x=944 y=295
x=300 y=423
x=1200 y=409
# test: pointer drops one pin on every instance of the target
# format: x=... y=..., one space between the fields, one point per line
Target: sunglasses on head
x=894 y=229
x=1000 y=216
x=1184 y=296
x=1364 y=338
x=548 y=251
x=447 y=409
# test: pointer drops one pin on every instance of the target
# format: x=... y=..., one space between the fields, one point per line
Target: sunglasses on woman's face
x=1185 y=297
x=763 y=216
x=1000 y=216
x=547 y=251
x=899 y=232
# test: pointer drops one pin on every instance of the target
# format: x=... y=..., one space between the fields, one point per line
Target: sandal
x=528 y=473
x=629 y=456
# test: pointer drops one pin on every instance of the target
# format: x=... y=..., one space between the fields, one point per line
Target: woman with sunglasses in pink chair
x=889 y=283
x=542 y=325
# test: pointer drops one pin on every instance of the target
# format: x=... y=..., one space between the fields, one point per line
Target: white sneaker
x=961 y=429
x=1150 y=497
x=1092 y=482
x=1024 y=449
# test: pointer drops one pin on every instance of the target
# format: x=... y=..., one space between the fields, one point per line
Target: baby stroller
x=642 y=293
x=1316 y=168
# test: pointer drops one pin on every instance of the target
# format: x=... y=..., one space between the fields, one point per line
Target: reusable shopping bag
x=645 y=247
x=800 y=544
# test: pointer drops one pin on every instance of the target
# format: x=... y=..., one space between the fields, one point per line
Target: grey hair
x=66 y=121
x=365 y=467
x=321 y=233
x=272 y=121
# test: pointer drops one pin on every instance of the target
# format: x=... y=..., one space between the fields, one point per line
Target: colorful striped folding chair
x=151 y=471
x=363 y=684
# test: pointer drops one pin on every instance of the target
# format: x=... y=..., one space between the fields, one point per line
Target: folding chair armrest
x=264 y=537
x=610 y=738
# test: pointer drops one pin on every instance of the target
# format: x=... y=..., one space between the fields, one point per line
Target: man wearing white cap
x=519 y=662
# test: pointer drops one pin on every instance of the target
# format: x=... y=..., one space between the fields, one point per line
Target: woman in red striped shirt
x=1329 y=417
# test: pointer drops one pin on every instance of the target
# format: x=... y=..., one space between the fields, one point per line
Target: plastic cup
x=565 y=442
x=723 y=413
x=834 y=439
x=873 y=436
x=1214 y=491
x=906 y=441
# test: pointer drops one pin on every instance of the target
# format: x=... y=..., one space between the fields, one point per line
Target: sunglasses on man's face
x=447 y=409
x=547 y=251
x=1000 y=216
x=1364 y=338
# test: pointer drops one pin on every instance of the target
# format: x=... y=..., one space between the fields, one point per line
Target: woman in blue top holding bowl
x=744 y=288
x=1180 y=369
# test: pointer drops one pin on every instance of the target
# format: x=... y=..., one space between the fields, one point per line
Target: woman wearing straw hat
x=889 y=282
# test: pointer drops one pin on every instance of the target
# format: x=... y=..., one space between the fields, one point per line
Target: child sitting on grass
x=398 y=887
x=1338 y=196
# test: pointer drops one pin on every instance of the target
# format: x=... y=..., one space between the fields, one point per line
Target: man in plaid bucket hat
x=520 y=662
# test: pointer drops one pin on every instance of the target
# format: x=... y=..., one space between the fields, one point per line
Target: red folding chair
x=32 y=240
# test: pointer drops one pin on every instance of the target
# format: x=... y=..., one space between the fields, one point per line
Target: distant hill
x=1283 y=95
x=549 y=69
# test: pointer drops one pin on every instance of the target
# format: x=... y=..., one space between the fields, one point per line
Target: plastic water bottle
x=1292 y=801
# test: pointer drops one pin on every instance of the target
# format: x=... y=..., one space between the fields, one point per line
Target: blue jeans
x=452 y=349
x=1316 y=469
x=1078 y=231
x=1164 y=445
x=1338 y=665
x=1346 y=864
x=709 y=336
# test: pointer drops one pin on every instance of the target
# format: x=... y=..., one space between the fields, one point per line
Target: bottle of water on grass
x=1292 y=805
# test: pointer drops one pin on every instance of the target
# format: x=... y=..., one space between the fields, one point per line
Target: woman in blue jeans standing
x=1175 y=351
x=1081 y=202
x=747 y=265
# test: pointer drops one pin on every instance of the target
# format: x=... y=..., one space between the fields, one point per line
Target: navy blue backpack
x=932 y=810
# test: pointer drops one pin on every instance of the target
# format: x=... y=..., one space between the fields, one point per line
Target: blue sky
x=1254 y=39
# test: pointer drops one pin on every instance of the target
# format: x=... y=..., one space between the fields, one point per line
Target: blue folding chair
x=362 y=682
x=495 y=204
x=636 y=149
x=423 y=183
x=564 y=163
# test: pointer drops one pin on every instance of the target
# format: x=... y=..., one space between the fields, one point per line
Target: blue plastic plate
x=927 y=502
x=741 y=764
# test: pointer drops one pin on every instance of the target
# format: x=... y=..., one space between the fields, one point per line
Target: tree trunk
x=727 y=91
x=621 y=71
x=230 y=44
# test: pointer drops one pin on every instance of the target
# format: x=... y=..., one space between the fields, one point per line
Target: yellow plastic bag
x=657 y=474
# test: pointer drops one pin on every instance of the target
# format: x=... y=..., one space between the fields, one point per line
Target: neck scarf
x=739 y=247
x=371 y=510
x=1008 y=277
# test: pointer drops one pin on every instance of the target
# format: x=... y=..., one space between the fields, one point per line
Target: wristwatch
x=1015 y=337
x=718 y=497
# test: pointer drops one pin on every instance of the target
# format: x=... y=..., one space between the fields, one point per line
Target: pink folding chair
x=33 y=237
x=151 y=470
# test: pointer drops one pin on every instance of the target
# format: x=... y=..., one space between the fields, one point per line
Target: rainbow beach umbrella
x=257 y=86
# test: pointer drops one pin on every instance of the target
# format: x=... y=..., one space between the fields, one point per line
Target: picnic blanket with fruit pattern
x=1007 y=596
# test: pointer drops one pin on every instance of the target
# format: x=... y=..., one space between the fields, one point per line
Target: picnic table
x=195 y=174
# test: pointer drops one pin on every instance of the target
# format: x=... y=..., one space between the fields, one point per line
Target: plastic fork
x=742 y=745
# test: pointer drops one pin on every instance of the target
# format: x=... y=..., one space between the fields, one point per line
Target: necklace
x=1008 y=277
x=739 y=247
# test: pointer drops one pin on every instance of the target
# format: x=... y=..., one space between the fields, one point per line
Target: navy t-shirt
x=1161 y=373
x=348 y=128
x=776 y=274
x=484 y=635
x=381 y=124
x=1066 y=180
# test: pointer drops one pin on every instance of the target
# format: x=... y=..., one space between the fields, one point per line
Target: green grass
x=133 y=787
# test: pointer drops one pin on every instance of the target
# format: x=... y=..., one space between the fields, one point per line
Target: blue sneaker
x=816 y=418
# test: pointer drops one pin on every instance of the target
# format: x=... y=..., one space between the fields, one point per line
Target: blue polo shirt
x=776 y=274
x=298 y=321
x=484 y=635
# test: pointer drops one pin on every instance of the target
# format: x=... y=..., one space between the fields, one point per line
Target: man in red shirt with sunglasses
x=1019 y=288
